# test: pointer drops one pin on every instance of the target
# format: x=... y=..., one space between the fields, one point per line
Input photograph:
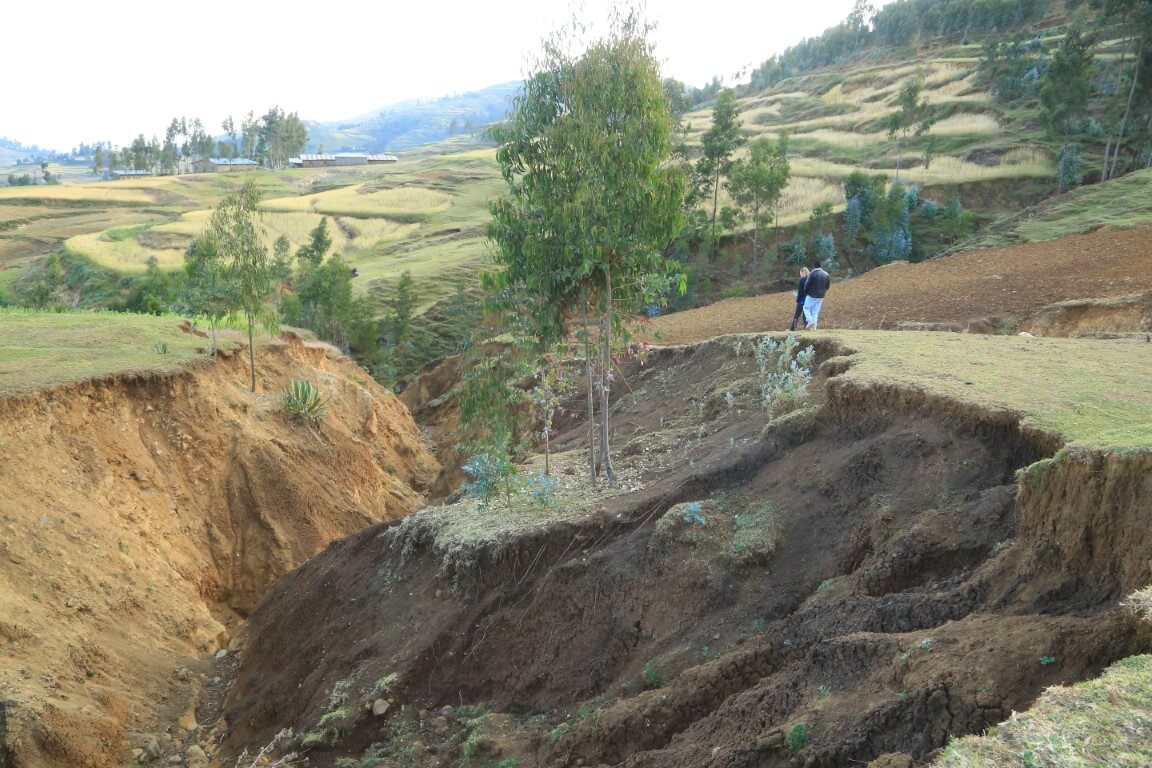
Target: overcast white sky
x=119 y=67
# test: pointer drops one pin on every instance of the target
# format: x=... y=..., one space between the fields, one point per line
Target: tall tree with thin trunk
x=1066 y=89
x=235 y=230
x=718 y=145
x=913 y=116
x=1135 y=18
x=758 y=181
x=592 y=198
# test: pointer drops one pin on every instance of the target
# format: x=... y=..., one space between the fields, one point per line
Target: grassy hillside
x=425 y=215
x=42 y=349
x=1122 y=202
x=1106 y=721
x=1000 y=373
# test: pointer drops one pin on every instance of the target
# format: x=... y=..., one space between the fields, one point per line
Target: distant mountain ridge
x=414 y=122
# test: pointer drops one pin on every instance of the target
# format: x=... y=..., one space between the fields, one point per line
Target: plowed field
x=1005 y=284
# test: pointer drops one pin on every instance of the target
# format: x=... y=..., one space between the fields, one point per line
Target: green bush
x=651 y=677
x=797 y=737
x=304 y=401
x=785 y=372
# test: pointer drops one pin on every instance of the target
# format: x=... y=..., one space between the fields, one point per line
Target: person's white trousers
x=812 y=310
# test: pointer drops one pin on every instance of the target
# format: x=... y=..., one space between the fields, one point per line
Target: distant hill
x=415 y=122
x=12 y=151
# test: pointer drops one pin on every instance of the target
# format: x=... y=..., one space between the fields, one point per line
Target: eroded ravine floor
x=845 y=583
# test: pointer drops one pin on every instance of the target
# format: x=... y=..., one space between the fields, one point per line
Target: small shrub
x=930 y=209
x=693 y=515
x=509 y=762
x=784 y=372
x=384 y=684
x=542 y=488
x=1140 y=603
x=303 y=400
x=321 y=738
x=825 y=690
x=335 y=716
x=797 y=737
x=1070 y=167
x=651 y=677
x=160 y=348
x=491 y=471
x=1047 y=661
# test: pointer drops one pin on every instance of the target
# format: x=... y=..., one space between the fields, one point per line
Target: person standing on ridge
x=800 y=295
x=816 y=288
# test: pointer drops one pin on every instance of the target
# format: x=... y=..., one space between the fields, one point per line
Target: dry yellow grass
x=360 y=200
x=966 y=124
x=126 y=255
x=112 y=192
x=943 y=170
x=802 y=194
x=130 y=255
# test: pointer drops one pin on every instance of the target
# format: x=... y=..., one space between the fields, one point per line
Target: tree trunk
x=214 y=347
x=547 y=453
x=715 y=248
x=1107 y=152
x=591 y=399
x=605 y=368
x=549 y=411
x=1059 y=170
x=251 y=355
x=776 y=228
x=1124 y=119
x=899 y=147
x=755 y=235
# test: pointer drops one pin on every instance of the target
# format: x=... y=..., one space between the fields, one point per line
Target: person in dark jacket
x=816 y=288
x=800 y=294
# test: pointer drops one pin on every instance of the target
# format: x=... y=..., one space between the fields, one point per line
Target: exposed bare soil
x=872 y=577
x=142 y=518
x=983 y=291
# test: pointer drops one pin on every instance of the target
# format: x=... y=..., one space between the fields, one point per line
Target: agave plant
x=304 y=400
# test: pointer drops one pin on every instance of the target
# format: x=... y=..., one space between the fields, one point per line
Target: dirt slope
x=142 y=518
x=990 y=289
x=871 y=577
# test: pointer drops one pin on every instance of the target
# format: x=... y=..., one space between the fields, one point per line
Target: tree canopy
x=592 y=199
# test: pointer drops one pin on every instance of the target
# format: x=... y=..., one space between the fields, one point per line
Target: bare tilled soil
x=142 y=518
x=857 y=581
x=987 y=291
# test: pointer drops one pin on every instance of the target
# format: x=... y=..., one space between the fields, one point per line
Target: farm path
x=989 y=287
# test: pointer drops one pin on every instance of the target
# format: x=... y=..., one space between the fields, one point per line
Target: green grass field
x=1101 y=722
x=39 y=350
x=1089 y=391
x=1123 y=202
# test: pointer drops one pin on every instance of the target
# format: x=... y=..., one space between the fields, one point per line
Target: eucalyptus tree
x=718 y=145
x=592 y=198
x=235 y=230
x=757 y=182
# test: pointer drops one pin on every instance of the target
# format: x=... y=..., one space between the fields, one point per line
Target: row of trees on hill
x=228 y=271
x=900 y=23
x=1084 y=98
x=269 y=139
